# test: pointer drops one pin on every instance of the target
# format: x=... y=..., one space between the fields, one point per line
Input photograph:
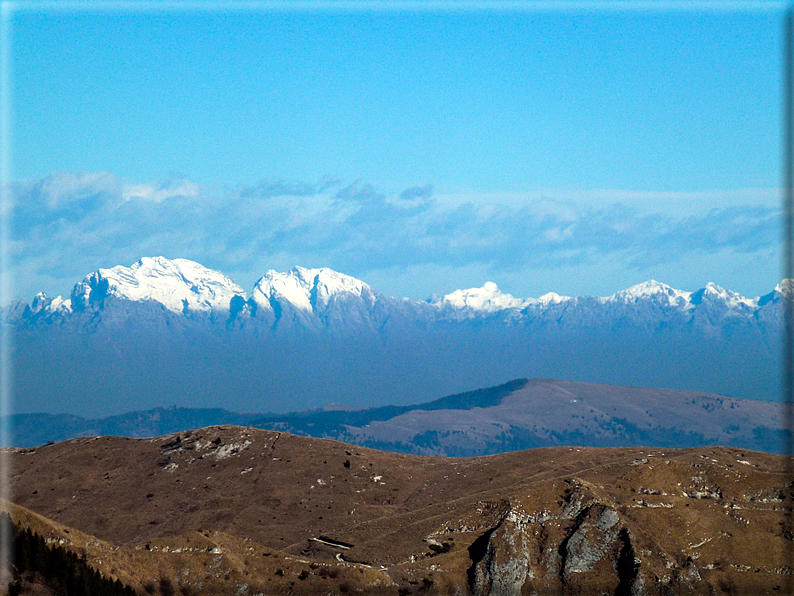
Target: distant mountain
x=525 y=414
x=181 y=286
x=521 y=414
x=316 y=299
x=326 y=299
x=30 y=430
x=172 y=332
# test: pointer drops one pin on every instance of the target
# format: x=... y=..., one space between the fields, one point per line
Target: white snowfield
x=315 y=297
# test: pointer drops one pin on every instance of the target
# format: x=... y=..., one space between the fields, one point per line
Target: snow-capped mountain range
x=323 y=298
x=174 y=332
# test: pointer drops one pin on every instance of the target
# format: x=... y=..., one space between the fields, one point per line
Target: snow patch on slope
x=785 y=287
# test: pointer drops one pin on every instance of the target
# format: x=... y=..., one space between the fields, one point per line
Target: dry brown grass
x=225 y=510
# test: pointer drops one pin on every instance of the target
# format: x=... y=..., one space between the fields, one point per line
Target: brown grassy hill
x=243 y=511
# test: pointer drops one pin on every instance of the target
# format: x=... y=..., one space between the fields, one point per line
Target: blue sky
x=576 y=151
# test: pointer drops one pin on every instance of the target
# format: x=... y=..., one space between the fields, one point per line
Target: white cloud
x=157 y=193
x=67 y=225
x=63 y=188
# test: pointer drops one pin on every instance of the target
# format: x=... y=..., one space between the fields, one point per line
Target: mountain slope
x=182 y=286
x=315 y=299
x=525 y=414
x=227 y=507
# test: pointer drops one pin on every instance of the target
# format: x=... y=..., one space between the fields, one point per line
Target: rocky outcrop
x=504 y=565
x=585 y=548
x=596 y=533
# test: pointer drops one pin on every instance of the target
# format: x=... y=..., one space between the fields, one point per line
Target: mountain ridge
x=191 y=337
x=186 y=287
x=520 y=414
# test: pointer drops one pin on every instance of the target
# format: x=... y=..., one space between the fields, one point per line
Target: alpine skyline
x=425 y=148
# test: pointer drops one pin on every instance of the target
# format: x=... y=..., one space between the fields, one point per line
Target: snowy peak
x=43 y=304
x=40 y=302
x=180 y=285
x=552 y=298
x=292 y=287
x=327 y=284
x=307 y=289
x=487 y=299
x=315 y=298
x=714 y=294
x=646 y=289
x=654 y=291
